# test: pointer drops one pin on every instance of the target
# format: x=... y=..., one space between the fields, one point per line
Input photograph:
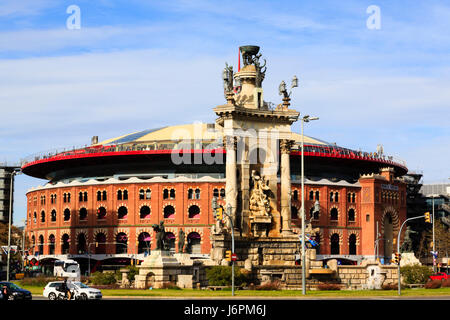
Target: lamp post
x=14 y=172
x=434 y=245
x=306 y=118
x=398 y=251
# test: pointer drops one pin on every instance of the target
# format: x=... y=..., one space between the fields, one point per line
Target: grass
x=261 y=293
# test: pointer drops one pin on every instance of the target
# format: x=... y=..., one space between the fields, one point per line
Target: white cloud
x=15 y=8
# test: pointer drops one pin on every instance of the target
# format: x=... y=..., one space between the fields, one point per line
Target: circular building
x=101 y=201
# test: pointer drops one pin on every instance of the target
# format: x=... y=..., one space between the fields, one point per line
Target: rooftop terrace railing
x=310 y=150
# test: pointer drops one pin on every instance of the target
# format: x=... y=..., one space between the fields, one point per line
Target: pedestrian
x=6 y=292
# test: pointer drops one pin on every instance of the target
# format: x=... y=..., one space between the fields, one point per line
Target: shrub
x=433 y=284
x=40 y=281
x=170 y=285
x=100 y=278
x=392 y=286
x=415 y=274
x=221 y=276
x=446 y=283
x=272 y=285
x=329 y=286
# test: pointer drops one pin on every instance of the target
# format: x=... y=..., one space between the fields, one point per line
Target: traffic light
x=397 y=258
x=219 y=213
x=228 y=255
x=427 y=217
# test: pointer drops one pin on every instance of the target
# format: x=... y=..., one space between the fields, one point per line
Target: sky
x=374 y=72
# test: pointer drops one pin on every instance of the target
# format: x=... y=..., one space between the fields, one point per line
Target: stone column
x=285 y=169
x=230 y=176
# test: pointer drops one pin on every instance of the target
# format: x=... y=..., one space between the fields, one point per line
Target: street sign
x=233 y=257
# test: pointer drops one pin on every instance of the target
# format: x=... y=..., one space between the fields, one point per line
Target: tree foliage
x=221 y=276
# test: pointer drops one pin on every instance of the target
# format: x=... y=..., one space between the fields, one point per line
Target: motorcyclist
x=66 y=290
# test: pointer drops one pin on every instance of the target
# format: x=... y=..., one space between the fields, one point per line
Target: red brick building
x=101 y=201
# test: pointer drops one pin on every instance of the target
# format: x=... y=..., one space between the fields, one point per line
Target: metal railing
x=310 y=149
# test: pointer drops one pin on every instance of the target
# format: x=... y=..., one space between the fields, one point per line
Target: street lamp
x=14 y=172
x=306 y=118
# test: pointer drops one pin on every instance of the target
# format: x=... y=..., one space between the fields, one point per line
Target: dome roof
x=194 y=131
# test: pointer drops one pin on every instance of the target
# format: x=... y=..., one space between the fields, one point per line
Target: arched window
x=169 y=212
x=66 y=214
x=194 y=212
x=104 y=195
x=121 y=243
x=216 y=192
x=125 y=194
x=194 y=243
x=53 y=215
x=172 y=194
x=222 y=193
x=83 y=214
x=334 y=214
x=311 y=195
x=141 y=194
x=317 y=195
x=331 y=196
x=100 y=243
x=34 y=217
x=144 y=240
x=101 y=213
x=144 y=213
x=351 y=215
x=65 y=244
x=122 y=212
x=51 y=245
x=336 y=197
x=349 y=197
x=85 y=196
x=165 y=194
x=190 y=194
x=197 y=194
x=81 y=246
x=42 y=216
x=294 y=212
x=41 y=244
x=352 y=244
x=119 y=194
x=148 y=194
x=99 y=196
x=353 y=197
x=334 y=243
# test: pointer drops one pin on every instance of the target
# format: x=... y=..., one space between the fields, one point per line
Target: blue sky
x=135 y=65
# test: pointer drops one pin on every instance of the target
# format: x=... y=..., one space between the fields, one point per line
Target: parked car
x=16 y=292
x=79 y=290
x=440 y=276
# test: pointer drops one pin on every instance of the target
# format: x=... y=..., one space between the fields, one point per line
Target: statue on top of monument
x=160 y=235
x=407 y=242
x=227 y=77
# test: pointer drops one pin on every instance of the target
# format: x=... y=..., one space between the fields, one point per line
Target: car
x=440 y=276
x=16 y=292
x=81 y=291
